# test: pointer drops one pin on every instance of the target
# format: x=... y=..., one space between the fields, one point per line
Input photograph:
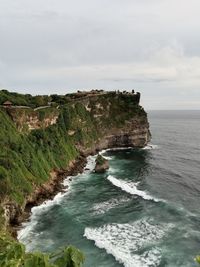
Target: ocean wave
x=150 y=147
x=90 y=164
x=103 y=152
x=28 y=227
x=102 y=207
x=108 y=158
x=133 y=244
x=131 y=188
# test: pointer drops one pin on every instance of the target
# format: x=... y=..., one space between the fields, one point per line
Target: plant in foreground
x=197 y=259
x=12 y=254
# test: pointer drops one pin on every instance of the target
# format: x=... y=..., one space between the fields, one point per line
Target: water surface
x=143 y=212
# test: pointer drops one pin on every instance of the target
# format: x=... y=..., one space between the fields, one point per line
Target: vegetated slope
x=34 y=144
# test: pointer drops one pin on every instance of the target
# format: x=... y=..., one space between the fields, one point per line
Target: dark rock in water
x=101 y=164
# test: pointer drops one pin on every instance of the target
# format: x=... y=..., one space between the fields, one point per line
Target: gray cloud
x=63 y=45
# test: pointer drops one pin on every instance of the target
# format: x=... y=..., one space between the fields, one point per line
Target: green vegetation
x=23 y=100
x=28 y=156
x=26 y=160
x=100 y=160
x=12 y=254
x=198 y=259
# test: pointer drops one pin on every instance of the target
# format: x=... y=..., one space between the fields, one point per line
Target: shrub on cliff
x=100 y=160
x=12 y=254
x=101 y=164
x=24 y=100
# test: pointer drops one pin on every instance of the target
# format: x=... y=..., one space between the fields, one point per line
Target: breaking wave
x=24 y=234
x=135 y=244
x=150 y=147
x=131 y=188
x=101 y=208
x=90 y=164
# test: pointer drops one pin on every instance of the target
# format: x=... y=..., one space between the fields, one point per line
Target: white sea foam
x=102 y=207
x=28 y=227
x=108 y=158
x=104 y=152
x=131 y=188
x=150 y=146
x=133 y=244
x=67 y=182
x=90 y=164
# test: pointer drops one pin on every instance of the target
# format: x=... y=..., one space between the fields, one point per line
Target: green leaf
x=70 y=257
x=198 y=259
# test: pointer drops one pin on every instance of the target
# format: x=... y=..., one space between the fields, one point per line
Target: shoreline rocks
x=102 y=164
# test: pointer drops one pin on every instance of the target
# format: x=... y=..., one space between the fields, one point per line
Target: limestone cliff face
x=135 y=133
x=29 y=119
x=121 y=122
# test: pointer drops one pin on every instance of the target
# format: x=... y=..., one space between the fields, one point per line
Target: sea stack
x=101 y=164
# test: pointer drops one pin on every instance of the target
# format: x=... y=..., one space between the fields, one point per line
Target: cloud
x=64 y=45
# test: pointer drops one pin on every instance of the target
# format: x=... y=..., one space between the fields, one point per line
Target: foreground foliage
x=12 y=254
x=198 y=259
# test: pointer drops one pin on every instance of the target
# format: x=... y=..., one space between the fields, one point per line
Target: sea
x=143 y=212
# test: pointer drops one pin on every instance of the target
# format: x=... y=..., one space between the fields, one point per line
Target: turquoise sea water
x=143 y=212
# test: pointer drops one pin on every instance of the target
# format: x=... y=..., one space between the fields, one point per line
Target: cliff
x=40 y=145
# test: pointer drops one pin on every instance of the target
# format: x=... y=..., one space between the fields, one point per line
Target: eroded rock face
x=29 y=119
x=12 y=213
x=135 y=133
x=34 y=123
x=102 y=164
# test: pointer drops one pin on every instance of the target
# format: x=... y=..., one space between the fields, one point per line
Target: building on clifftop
x=7 y=104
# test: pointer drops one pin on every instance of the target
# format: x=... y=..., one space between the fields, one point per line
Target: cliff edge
x=44 y=137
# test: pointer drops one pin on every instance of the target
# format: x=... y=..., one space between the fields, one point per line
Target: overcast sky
x=58 y=46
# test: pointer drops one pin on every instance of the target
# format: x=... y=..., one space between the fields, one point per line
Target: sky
x=60 y=46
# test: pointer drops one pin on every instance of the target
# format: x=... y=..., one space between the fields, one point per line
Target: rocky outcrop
x=29 y=119
x=12 y=212
x=102 y=164
x=33 y=122
x=135 y=133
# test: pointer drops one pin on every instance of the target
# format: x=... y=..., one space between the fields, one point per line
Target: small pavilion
x=7 y=104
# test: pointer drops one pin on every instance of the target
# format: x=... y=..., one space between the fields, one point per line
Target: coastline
x=50 y=189
x=76 y=167
x=47 y=192
x=55 y=186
